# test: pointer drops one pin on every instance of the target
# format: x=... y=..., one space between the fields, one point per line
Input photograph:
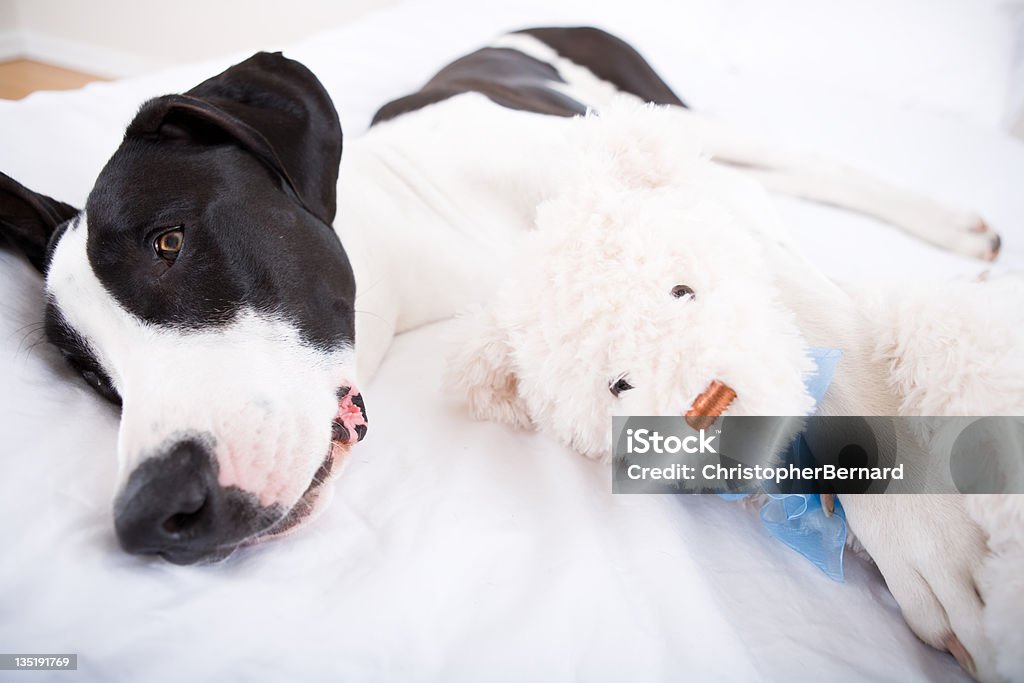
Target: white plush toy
x=659 y=273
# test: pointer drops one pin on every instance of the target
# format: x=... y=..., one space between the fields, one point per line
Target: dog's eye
x=96 y=379
x=169 y=243
x=679 y=291
x=618 y=386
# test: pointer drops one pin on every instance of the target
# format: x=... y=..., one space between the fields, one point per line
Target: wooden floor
x=20 y=77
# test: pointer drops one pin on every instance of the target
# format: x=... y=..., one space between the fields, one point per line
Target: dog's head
x=204 y=290
x=633 y=299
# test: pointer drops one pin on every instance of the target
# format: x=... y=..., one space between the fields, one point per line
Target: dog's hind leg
x=957 y=230
x=819 y=180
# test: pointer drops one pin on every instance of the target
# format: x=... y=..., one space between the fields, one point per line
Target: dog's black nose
x=173 y=506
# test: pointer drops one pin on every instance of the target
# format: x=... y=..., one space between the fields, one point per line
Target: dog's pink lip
x=305 y=506
x=350 y=416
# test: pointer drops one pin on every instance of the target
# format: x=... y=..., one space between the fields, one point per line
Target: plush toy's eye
x=679 y=291
x=168 y=244
x=619 y=385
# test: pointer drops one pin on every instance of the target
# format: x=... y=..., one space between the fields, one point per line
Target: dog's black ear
x=273 y=107
x=28 y=219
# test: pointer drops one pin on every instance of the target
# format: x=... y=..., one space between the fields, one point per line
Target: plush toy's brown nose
x=711 y=403
x=173 y=506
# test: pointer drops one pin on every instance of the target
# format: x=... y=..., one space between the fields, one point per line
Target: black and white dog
x=207 y=289
x=204 y=290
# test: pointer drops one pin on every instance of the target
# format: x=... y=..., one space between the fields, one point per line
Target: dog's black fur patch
x=506 y=77
x=247 y=164
x=518 y=81
x=609 y=58
x=78 y=354
x=29 y=219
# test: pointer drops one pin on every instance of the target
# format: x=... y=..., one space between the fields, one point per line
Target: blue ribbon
x=797 y=519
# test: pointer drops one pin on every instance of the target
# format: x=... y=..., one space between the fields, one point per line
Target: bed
x=457 y=550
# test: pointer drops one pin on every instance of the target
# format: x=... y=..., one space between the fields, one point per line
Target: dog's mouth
x=307 y=505
x=347 y=429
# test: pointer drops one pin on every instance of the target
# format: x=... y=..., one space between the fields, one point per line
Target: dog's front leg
x=930 y=551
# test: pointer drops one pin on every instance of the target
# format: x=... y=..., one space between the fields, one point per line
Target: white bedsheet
x=457 y=550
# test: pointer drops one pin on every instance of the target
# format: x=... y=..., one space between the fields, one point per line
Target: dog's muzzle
x=347 y=429
x=173 y=505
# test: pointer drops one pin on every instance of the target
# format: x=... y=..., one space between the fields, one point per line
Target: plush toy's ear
x=271 y=106
x=28 y=220
x=481 y=368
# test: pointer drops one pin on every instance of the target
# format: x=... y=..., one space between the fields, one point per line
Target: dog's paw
x=970 y=235
x=930 y=552
x=963 y=232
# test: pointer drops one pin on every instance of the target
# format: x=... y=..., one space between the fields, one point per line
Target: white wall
x=8 y=15
x=8 y=27
x=120 y=38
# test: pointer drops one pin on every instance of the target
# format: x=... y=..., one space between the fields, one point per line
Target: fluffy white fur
x=594 y=304
x=637 y=212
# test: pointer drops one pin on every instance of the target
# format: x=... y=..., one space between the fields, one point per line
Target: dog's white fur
x=1002 y=582
x=633 y=211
